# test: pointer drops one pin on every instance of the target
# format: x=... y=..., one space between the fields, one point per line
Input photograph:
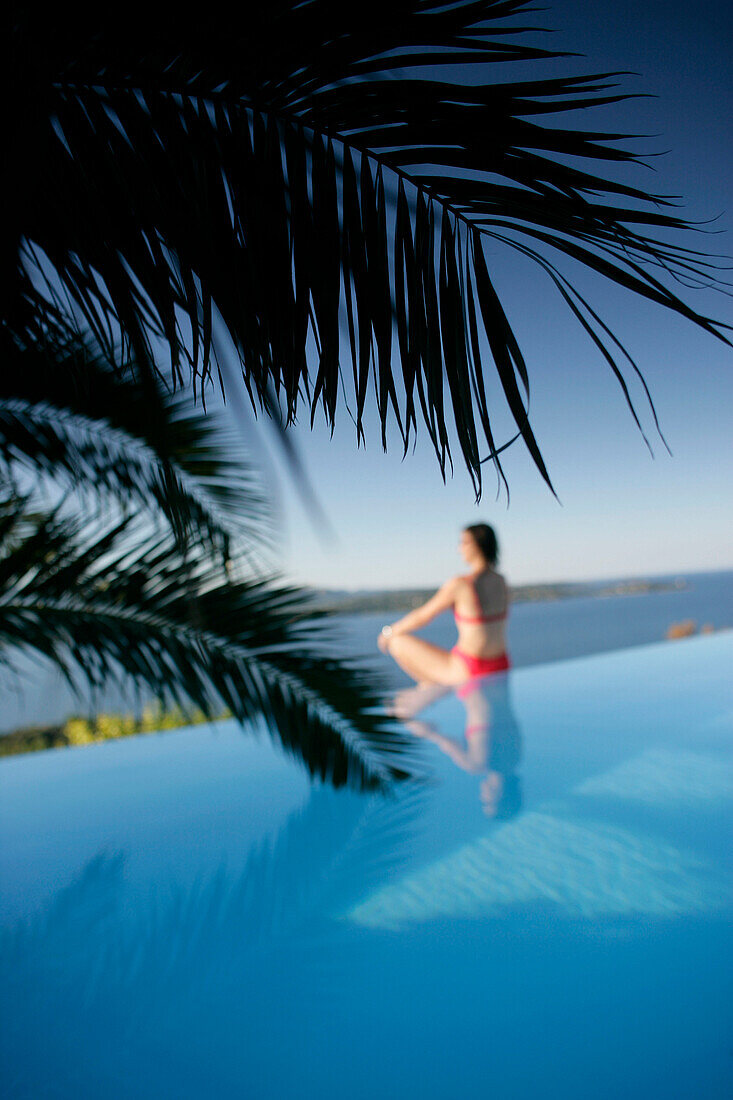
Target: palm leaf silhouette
x=312 y=180
x=107 y=604
x=152 y=569
x=67 y=415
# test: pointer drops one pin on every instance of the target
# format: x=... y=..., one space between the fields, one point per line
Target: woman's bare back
x=480 y=610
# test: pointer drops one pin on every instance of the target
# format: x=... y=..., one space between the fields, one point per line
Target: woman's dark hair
x=485 y=538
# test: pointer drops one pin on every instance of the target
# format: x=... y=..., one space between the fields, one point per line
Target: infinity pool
x=547 y=915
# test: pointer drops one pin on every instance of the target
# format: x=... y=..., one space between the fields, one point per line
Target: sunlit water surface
x=184 y=915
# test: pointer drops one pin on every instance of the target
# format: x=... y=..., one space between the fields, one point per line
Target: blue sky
x=394 y=523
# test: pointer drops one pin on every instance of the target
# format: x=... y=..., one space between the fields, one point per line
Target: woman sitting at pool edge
x=480 y=603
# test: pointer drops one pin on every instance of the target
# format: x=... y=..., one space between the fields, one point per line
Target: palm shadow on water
x=136 y=964
x=120 y=945
x=199 y=980
x=138 y=967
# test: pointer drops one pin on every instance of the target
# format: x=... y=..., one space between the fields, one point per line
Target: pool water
x=545 y=914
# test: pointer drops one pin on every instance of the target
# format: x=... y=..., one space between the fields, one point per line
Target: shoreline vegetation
x=340 y=602
x=104 y=727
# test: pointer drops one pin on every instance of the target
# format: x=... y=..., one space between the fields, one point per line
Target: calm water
x=184 y=915
x=542 y=632
x=538 y=632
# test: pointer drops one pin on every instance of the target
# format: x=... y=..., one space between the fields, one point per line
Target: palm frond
x=66 y=413
x=104 y=606
x=315 y=175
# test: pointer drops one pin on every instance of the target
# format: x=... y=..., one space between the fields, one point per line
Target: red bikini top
x=480 y=618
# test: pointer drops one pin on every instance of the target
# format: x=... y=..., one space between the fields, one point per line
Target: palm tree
x=134 y=548
x=310 y=180
x=305 y=189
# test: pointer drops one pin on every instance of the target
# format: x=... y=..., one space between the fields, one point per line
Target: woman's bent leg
x=408 y=702
x=425 y=662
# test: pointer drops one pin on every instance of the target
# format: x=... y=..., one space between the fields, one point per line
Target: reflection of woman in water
x=480 y=604
x=491 y=746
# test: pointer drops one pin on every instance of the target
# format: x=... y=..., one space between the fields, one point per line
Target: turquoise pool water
x=184 y=915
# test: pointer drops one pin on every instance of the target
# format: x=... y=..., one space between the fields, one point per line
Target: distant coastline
x=559 y=621
x=340 y=602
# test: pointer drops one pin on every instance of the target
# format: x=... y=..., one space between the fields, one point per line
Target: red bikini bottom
x=482 y=666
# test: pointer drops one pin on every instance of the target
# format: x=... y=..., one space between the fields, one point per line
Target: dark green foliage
x=151 y=570
x=287 y=166
x=107 y=605
x=115 y=434
x=308 y=182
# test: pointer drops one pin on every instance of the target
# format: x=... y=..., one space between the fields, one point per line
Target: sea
x=538 y=633
x=578 y=626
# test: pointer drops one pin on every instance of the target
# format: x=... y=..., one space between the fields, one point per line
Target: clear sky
x=622 y=512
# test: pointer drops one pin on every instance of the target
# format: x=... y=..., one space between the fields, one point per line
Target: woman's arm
x=443 y=600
